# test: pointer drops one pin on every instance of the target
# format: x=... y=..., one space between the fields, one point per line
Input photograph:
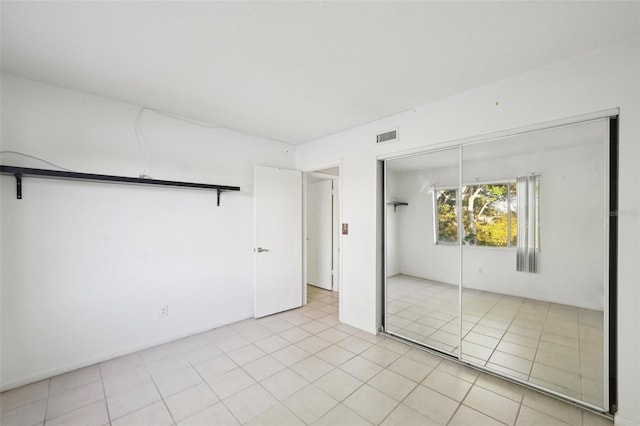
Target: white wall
x=600 y=80
x=87 y=266
x=572 y=233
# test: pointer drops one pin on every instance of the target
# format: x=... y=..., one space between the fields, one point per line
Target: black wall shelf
x=19 y=172
x=395 y=204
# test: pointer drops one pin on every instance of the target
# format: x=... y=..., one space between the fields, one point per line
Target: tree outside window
x=446 y=216
x=489 y=215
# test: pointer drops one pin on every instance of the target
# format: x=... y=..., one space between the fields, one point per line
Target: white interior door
x=319 y=233
x=277 y=240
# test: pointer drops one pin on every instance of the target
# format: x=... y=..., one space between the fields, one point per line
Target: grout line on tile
x=519 y=409
x=46 y=404
x=104 y=392
x=153 y=379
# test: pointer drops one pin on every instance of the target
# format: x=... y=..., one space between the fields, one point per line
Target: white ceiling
x=296 y=71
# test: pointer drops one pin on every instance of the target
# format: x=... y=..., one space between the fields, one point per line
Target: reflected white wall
x=572 y=231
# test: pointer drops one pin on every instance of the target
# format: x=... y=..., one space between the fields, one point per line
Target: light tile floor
x=301 y=367
x=558 y=347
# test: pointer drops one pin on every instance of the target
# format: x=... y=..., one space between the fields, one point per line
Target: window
x=446 y=216
x=489 y=215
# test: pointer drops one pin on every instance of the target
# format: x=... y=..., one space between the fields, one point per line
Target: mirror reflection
x=511 y=233
x=422 y=278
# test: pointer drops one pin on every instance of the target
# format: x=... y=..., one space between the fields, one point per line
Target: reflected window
x=489 y=215
x=446 y=216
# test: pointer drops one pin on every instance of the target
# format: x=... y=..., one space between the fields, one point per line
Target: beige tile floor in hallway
x=301 y=367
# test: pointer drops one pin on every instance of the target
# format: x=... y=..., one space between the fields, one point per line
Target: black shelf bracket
x=19 y=172
x=18 y=177
x=395 y=204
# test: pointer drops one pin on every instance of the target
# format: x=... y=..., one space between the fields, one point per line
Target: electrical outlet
x=164 y=311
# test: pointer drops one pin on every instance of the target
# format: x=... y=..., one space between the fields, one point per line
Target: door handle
x=260 y=250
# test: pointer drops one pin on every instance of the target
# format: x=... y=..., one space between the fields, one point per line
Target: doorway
x=321 y=229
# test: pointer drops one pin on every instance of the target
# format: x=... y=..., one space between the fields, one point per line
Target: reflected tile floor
x=558 y=347
x=301 y=367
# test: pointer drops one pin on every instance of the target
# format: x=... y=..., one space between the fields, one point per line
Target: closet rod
x=19 y=172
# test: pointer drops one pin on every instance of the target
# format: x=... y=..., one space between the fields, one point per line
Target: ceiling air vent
x=389 y=136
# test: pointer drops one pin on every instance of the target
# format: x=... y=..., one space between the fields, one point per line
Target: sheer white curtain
x=528 y=248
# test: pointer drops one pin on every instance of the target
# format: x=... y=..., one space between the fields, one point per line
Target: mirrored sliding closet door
x=496 y=254
x=423 y=279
